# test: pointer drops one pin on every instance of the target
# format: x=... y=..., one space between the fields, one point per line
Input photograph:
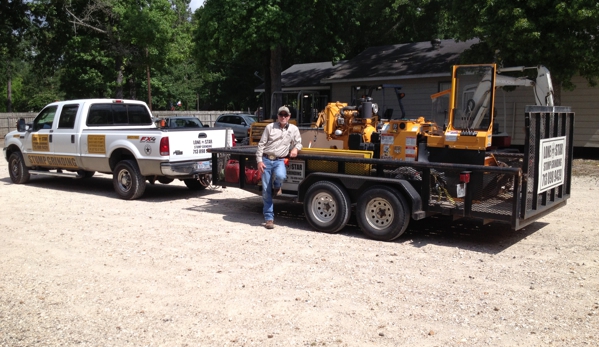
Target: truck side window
x=45 y=118
x=67 y=117
x=99 y=114
x=139 y=115
x=119 y=113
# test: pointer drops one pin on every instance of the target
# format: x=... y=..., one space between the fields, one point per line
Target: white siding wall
x=584 y=101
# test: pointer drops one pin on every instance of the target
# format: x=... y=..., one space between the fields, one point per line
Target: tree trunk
x=9 y=94
x=267 y=87
x=132 y=90
x=149 y=83
x=8 y=88
x=119 y=78
x=275 y=79
x=557 y=93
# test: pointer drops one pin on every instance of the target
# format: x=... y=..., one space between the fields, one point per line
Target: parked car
x=239 y=122
x=179 y=122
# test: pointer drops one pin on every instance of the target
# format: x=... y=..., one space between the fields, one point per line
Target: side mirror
x=21 y=126
x=243 y=123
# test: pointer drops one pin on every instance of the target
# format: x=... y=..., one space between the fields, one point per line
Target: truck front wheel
x=127 y=180
x=327 y=207
x=19 y=173
x=382 y=213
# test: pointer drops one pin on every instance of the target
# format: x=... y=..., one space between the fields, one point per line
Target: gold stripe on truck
x=132 y=137
x=96 y=144
x=39 y=143
x=53 y=161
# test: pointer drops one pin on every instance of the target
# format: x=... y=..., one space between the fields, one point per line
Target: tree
x=271 y=33
x=104 y=45
x=12 y=28
x=560 y=35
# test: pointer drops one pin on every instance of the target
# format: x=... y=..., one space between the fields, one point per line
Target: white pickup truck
x=80 y=137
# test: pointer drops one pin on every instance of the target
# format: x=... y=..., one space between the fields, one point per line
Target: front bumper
x=188 y=168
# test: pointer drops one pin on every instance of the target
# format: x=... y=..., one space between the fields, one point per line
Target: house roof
x=408 y=60
x=305 y=76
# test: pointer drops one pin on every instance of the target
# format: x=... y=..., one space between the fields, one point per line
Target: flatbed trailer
x=387 y=194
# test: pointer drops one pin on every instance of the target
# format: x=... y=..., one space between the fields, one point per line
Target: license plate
x=203 y=165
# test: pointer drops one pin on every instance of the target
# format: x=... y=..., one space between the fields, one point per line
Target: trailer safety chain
x=440 y=187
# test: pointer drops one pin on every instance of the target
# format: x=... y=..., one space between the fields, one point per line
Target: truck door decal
x=96 y=144
x=53 y=161
x=40 y=142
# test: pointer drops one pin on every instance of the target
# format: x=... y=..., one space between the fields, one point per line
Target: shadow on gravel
x=102 y=186
x=465 y=234
x=492 y=238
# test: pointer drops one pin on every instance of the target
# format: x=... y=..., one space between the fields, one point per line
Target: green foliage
x=104 y=48
x=558 y=34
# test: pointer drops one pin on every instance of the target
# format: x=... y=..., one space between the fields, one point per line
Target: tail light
x=164 y=146
x=465 y=177
x=233 y=139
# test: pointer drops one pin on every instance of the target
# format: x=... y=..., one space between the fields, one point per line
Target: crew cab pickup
x=80 y=137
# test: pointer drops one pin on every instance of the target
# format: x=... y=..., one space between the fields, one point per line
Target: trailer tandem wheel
x=327 y=206
x=382 y=213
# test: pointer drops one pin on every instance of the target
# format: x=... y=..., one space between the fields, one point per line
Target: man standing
x=279 y=140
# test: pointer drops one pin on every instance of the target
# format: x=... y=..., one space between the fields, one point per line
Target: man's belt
x=272 y=157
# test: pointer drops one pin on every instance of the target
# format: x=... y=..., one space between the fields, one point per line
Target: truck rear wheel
x=19 y=173
x=327 y=207
x=194 y=184
x=127 y=180
x=382 y=213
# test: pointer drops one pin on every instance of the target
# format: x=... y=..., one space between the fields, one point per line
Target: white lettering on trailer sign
x=552 y=163
x=296 y=172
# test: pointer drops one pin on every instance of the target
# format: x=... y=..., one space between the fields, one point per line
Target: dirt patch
x=585 y=167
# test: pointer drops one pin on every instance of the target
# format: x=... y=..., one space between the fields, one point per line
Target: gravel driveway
x=79 y=267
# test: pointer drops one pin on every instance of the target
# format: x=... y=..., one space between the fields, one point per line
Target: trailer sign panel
x=551 y=163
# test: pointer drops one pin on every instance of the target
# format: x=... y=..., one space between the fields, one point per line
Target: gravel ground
x=79 y=267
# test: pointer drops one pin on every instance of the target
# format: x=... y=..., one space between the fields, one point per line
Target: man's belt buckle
x=272 y=157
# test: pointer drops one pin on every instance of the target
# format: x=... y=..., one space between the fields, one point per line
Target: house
x=422 y=69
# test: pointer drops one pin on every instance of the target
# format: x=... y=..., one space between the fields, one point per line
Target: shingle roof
x=408 y=59
x=305 y=76
x=419 y=59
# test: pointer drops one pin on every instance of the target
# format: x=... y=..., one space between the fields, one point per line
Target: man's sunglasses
x=284 y=114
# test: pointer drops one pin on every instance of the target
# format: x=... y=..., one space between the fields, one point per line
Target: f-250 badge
x=147 y=139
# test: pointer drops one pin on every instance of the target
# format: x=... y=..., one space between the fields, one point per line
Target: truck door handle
x=72 y=138
x=50 y=137
x=202 y=135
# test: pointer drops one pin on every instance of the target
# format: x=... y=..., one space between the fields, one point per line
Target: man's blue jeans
x=273 y=176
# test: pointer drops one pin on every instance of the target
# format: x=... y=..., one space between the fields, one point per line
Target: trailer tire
x=382 y=213
x=327 y=207
x=128 y=181
x=194 y=184
x=19 y=173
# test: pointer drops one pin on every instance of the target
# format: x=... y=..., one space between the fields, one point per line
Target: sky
x=194 y=4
